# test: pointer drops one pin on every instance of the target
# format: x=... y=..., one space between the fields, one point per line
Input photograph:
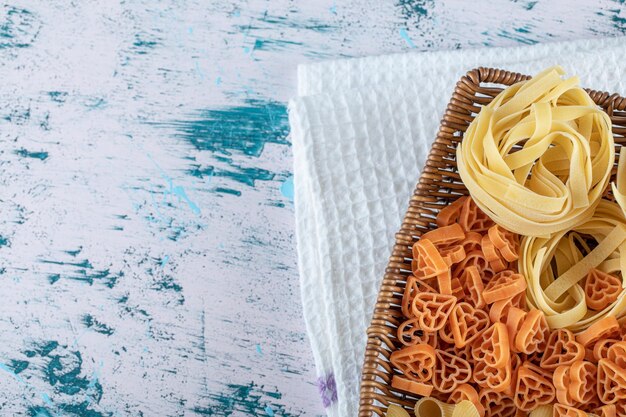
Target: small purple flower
x=328 y=389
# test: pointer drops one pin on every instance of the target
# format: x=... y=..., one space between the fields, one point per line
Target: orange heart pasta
x=470 y=338
x=417 y=388
x=533 y=388
x=432 y=309
x=533 y=332
x=410 y=334
x=445 y=235
x=472 y=286
x=496 y=404
x=583 y=382
x=413 y=287
x=611 y=382
x=617 y=354
x=467 y=323
x=606 y=411
x=429 y=261
x=492 y=347
x=601 y=289
x=561 y=349
x=496 y=379
x=450 y=214
x=562 y=381
x=601 y=348
x=503 y=285
x=561 y=410
x=416 y=362
x=472 y=218
x=602 y=328
x=450 y=372
x=507 y=243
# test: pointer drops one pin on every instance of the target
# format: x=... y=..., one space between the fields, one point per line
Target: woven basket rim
x=438 y=184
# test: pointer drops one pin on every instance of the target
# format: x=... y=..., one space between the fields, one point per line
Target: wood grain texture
x=147 y=254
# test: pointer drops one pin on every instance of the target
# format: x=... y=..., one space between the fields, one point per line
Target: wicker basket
x=438 y=185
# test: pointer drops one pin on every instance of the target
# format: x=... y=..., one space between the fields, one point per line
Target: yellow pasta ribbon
x=541 y=411
x=619 y=186
x=396 y=411
x=546 y=411
x=538 y=157
x=554 y=267
x=465 y=409
x=432 y=407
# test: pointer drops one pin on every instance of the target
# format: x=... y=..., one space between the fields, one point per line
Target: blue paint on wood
x=92 y=323
x=17 y=366
x=174 y=190
x=19 y=28
x=230 y=191
x=83 y=271
x=519 y=35
x=526 y=4
x=404 y=35
x=180 y=192
x=73 y=394
x=291 y=21
x=530 y=5
x=275 y=44
x=74 y=252
x=244 y=129
x=242 y=175
x=248 y=400
x=168 y=283
x=618 y=18
x=58 y=96
x=18 y=115
x=94 y=103
x=41 y=155
x=143 y=44
x=287 y=189
x=415 y=9
x=238 y=130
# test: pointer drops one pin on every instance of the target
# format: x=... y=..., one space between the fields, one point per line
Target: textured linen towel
x=361 y=130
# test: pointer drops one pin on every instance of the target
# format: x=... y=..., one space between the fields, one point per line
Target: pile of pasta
x=538 y=160
x=469 y=334
x=538 y=157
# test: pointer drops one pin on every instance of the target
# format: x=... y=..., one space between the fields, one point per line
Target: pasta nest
x=538 y=158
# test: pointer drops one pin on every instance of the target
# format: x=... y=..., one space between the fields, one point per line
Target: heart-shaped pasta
x=533 y=388
x=555 y=267
x=561 y=349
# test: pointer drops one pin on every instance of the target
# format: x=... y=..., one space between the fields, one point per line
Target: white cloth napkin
x=361 y=129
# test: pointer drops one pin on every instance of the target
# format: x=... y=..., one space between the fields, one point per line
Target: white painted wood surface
x=147 y=255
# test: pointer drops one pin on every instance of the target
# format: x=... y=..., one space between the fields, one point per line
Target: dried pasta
x=517 y=303
x=554 y=268
x=537 y=159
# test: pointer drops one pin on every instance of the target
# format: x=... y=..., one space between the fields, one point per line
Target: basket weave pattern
x=438 y=185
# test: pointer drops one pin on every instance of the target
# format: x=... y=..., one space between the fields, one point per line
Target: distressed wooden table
x=147 y=254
